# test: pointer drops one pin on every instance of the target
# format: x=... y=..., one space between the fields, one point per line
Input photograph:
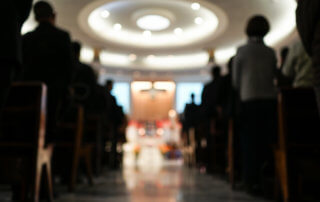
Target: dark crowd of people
x=48 y=55
x=247 y=95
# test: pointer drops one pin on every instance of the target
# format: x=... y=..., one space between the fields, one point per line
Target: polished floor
x=172 y=183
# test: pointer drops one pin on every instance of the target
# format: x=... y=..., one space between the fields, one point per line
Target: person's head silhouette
x=192 y=97
x=216 y=72
x=44 y=12
x=76 y=49
x=258 y=26
x=109 y=85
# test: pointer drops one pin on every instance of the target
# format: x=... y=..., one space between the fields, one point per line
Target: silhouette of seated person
x=48 y=58
x=84 y=79
x=13 y=14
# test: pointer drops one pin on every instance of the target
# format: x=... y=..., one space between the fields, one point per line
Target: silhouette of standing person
x=212 y=107
x=48 y=58
x=255 y=67
x=13 y=14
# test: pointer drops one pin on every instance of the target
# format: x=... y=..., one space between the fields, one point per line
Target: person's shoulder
x=61 y=33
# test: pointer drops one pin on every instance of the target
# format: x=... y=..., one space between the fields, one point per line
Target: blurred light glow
x=223 y=55
x=160 y=131
x=183 y=94
x=121 y=91
x=164 y=85
x=110 y=58
x=28 y=26
x=132 y=57
x=281 y=28
x=195 y=6
x=147 y=33
x=86 y=54
x=172 y=113
x=141 y=85
x=198 y=20
x=207 y=25
x=105 y=14
x=199 y=59
x=153 y=22
x=142 y=131
x=117 y=27
x=178 y=31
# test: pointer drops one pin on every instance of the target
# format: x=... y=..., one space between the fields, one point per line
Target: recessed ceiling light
x=198 y=20
x=147 y=33
x=178 y=31
x=117 y=26
x=105 y=14
x=153 y=22
x=150 y=57
x=195 y=6
x=132 y=57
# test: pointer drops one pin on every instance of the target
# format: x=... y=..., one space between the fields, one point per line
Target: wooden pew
x=231 y=155
x=298 y=151
x=69 y=146
x=95 y=134
x=23 y=153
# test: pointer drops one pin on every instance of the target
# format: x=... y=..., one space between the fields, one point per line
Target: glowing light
x=167 y=38
x=147 y=33
x=178 y=31
x=199 y=59
x=164 y=85
x=105 y=14
x=198 y=20
x=223 y=55
x=153 y=22
x=117 y=27
x=141 y=85
x=160 y=131
x=281 y=28
x=109 y=58
x=195 y=6
x=172 y=113
x=150 y=57
x=28 y=26
x=132 y=57
x=87 y=54
x=142 y=131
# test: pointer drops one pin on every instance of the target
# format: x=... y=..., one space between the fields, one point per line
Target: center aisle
x=172 y=183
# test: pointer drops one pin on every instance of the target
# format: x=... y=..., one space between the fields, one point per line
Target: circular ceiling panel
x=153 y=24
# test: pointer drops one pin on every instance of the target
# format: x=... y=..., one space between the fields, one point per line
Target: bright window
x=122 y=93
x=184 y=91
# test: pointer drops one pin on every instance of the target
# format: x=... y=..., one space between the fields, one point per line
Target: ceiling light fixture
x=198 y=20
x=195 y=6
x=153 y=22
x=132 y=57
x=178 y=31
x=117 y=26
x=147 y=33
x=105 y=14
